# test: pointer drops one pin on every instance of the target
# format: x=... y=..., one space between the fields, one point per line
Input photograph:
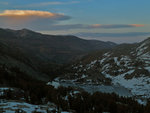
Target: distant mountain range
x=39 y=55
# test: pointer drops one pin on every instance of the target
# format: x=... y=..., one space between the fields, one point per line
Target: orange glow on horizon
x=137 y=25
x=96 y=25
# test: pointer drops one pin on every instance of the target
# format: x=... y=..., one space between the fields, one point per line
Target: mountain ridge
x=51 y=46
x=40 y=55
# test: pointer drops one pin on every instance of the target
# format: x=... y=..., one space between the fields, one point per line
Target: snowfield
x=13 y=106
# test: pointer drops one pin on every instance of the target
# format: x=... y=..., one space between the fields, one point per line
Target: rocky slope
x=127 y=65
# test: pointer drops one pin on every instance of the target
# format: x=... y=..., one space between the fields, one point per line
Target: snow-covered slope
x=23 y=107
x=127 y=65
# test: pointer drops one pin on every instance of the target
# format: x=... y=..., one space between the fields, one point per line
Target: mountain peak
x=26 y=33
x=24 y=29
x=27 y=30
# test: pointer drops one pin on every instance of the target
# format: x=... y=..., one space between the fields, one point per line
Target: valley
x=32 y=80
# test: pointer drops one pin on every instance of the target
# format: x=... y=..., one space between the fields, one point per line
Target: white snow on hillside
x=124 y=69
x=13 y=106
x=138 y=86
x=140 y=50
x=54 y=83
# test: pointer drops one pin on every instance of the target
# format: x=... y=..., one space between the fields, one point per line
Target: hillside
x=56 y=49
x=39 y=55
x=127 y=66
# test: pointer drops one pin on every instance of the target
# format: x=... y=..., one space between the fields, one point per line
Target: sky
x=120 y=21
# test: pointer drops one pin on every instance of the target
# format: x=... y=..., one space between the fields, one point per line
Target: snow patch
x=12 y=106
x=54 y=83
x=140 y=50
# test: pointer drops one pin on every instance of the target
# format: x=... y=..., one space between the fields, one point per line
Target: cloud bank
x=94 y=26
x=24 y=13
x=44 y=20
x=29 y=19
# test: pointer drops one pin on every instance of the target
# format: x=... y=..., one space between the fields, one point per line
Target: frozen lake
x=91 y=88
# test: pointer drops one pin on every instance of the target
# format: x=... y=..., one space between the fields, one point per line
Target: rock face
x=127 y=65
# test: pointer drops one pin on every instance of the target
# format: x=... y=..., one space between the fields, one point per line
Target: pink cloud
x=28 y=13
